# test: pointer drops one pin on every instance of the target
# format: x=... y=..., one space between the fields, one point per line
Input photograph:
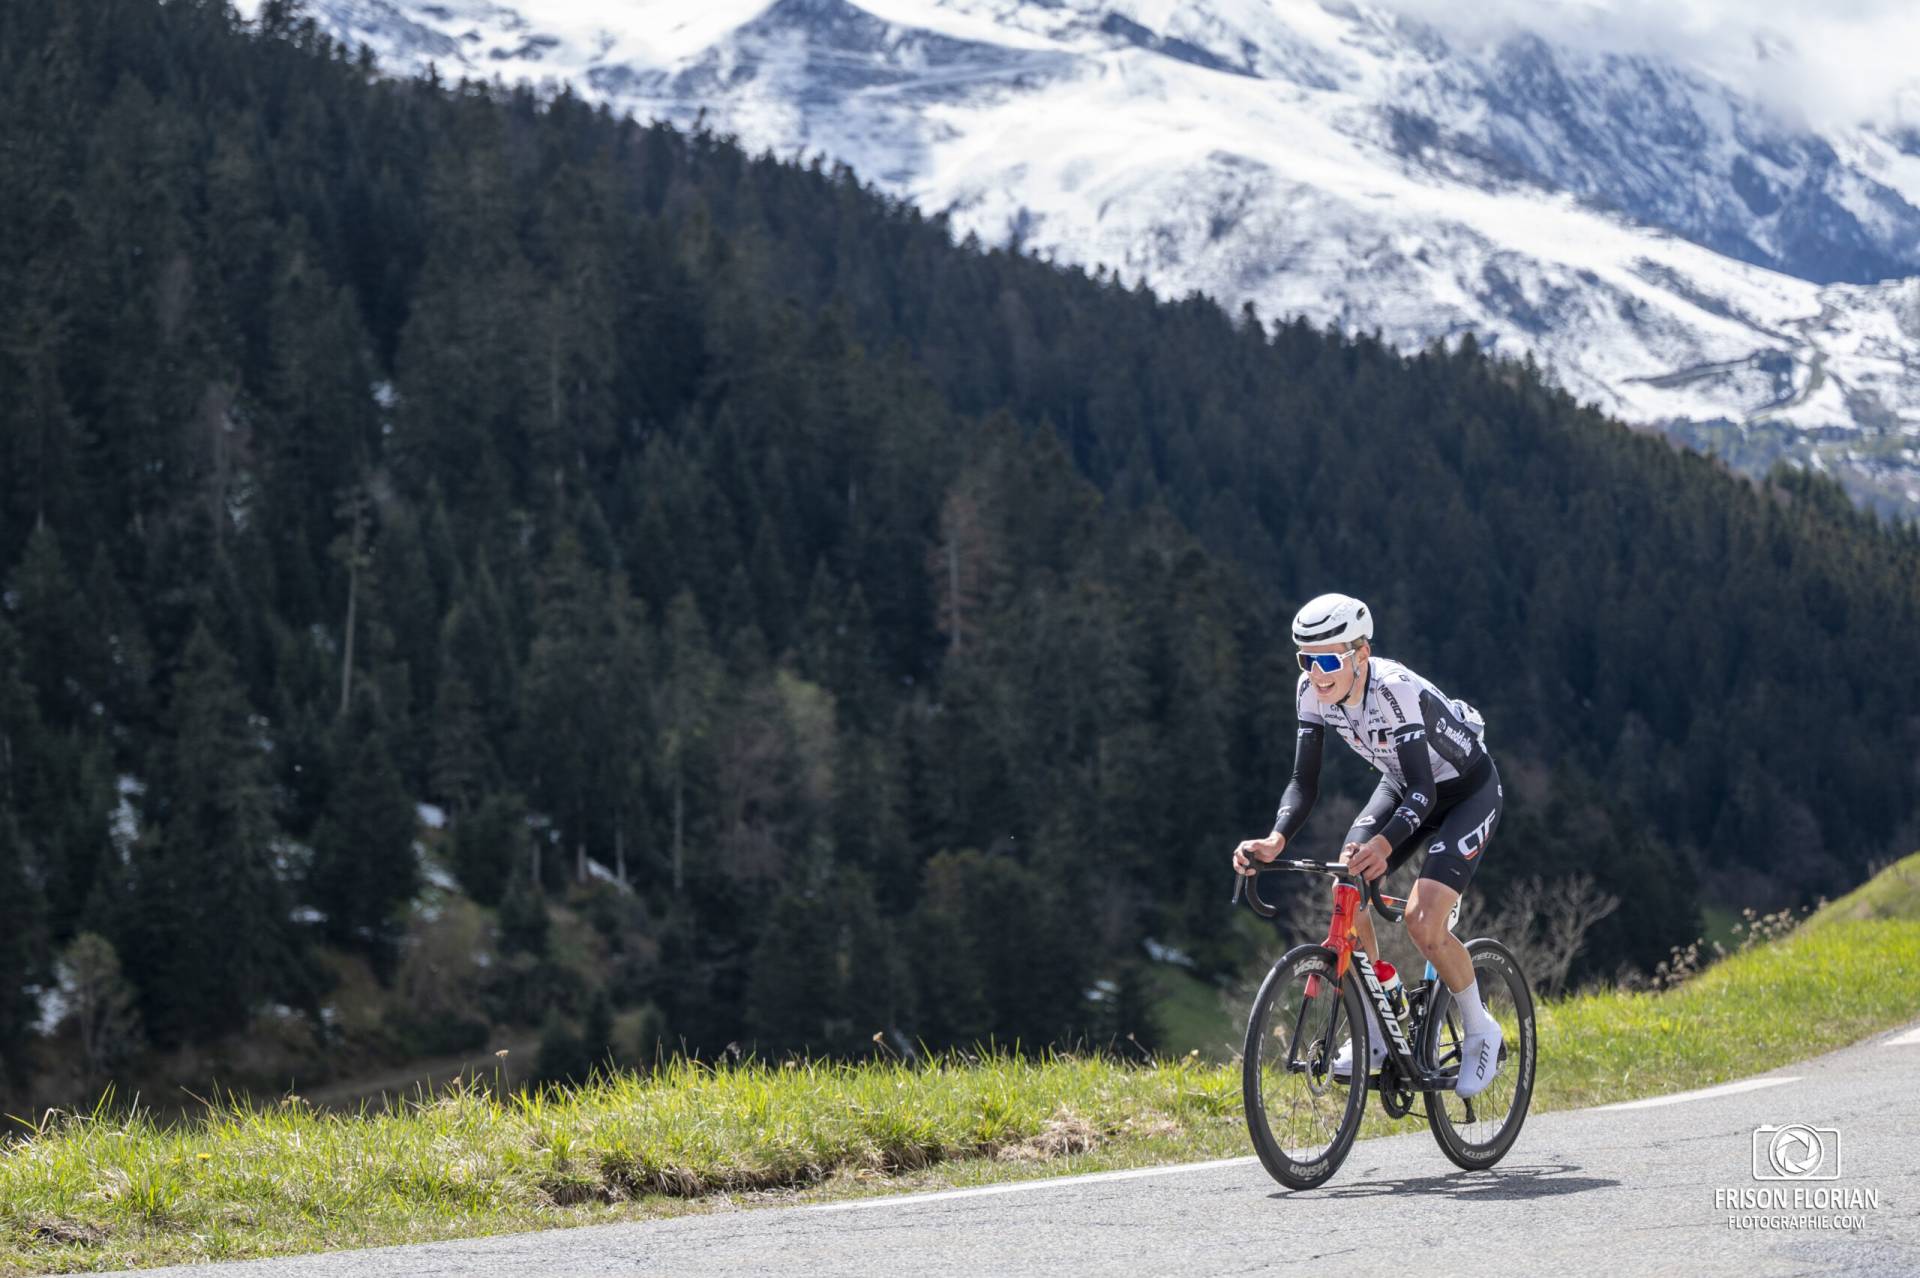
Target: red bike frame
x=1342 y=932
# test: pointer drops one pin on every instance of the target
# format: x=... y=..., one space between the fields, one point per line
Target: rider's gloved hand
x=1257 y=850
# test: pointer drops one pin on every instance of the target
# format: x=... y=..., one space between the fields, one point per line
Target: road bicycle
x=1303 y=1119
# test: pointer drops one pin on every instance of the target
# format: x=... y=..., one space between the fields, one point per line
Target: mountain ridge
x=1660 y=245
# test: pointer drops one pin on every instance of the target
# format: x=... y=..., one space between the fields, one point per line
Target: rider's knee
x=1427 y=928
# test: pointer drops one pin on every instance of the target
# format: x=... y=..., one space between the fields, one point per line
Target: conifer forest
x=472 y=561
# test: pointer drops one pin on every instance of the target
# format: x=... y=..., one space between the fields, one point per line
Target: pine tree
x=462 y=767
x=364 y=870
x=524 y=923
x=405 y=603
x=996 y=955
x=1125 y=1022
x=209 y=939
x=563 y=1054
x=622 y=773
x=60 y=642
x=954 y=995
x=22 y=957
x=685 y=710
x=490 y=847
x=317 y=420
x=596 y=1033
x=465 y=379
x=570 y=334
x=796 y=990
x=22 y=907
x=41 y=434
x=127 y=674
x=67 y=793
x=478 y=645
x=565 y=731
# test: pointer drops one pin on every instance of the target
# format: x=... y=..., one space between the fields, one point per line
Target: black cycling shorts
x=1455 y=836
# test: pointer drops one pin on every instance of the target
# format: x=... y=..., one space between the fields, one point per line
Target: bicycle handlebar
x=1248 y=885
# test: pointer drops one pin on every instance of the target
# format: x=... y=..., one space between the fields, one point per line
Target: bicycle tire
x=1508 y=998
x=1282 y=1015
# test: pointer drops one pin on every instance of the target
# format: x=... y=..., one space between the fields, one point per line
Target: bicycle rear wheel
x=1302 y=1119
x=1478 y=1132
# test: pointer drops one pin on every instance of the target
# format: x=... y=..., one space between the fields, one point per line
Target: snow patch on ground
x=437 y=875
x=438 y=880
x=601 y=874
x=54 y=1003
x=1166 y=953
x=123 y=827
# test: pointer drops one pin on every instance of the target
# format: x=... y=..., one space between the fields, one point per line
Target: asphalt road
x=1633 y=1189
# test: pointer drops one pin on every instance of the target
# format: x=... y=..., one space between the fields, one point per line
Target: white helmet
x=1332 y=619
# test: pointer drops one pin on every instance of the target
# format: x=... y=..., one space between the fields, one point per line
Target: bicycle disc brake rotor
x=1312 y=1062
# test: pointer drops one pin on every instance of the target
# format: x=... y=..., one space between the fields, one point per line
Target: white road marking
x=1909 y=1039
x=1704 y=1093
x=1137 y=1173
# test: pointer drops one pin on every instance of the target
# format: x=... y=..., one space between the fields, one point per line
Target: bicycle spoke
x=1447 y=1044
x=1479 y=1120
x=1304 y=1103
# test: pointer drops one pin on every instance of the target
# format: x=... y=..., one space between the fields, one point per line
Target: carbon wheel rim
x=1480 y=1121
x=1303 y=1106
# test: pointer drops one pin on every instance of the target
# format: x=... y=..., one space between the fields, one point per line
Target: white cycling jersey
x=1427 y=747
x=1399 y=706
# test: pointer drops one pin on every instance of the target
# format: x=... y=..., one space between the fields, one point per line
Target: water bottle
x=1395 y=991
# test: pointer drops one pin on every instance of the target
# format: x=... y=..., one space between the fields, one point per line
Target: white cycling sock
x=1473 y=1016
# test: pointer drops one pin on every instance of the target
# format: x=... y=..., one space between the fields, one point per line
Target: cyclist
x=1439 y=796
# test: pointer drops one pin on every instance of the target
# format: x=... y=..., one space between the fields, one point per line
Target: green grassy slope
x=1894 y=893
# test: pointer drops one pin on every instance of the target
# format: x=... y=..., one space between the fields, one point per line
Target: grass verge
x=1894 y=893
x=115 y=1190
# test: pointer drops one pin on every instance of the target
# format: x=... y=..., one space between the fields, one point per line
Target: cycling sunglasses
x=1325 y=662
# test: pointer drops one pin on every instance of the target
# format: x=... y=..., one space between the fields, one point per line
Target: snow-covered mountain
x=1661 y=244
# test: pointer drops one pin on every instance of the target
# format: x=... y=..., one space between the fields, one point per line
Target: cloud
x=1825 y=63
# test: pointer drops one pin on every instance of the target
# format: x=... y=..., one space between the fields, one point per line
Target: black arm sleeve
x=1416 y=801
x=1304 y=788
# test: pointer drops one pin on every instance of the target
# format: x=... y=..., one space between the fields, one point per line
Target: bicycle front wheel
x=1303 y=1119
x=1478 y=1132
